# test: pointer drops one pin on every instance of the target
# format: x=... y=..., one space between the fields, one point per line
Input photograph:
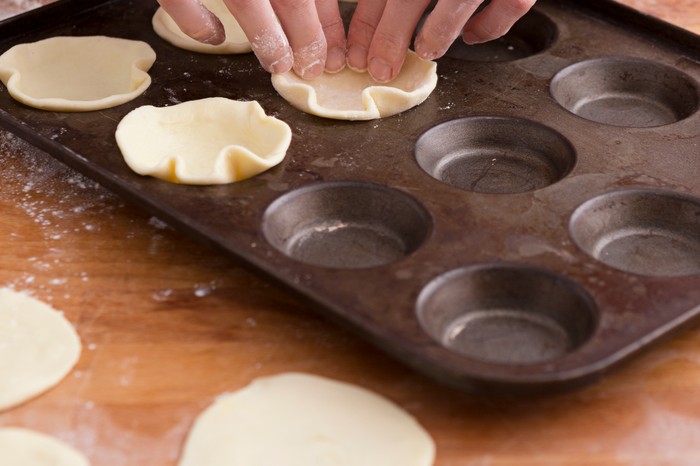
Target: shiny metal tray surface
x=532 y=224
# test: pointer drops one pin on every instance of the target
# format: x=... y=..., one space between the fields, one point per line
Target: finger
x=443 y=26
x=267 y=39
x=195 y=20
x=300 y=22
x=495 y=20
x=393 y=37
x=333 y=29
x=362 y=27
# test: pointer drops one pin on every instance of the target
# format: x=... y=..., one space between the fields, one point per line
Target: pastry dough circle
x=303 y=420
x=351 y=95
x=22 y=447
x=236 y=40
x=208 y=141
x=38 y=348
x=72 y=74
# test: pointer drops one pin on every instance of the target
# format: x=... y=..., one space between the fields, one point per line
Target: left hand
x=381 y=30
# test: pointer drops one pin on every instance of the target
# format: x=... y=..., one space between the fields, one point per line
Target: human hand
x=381 y=30
x=308 y=37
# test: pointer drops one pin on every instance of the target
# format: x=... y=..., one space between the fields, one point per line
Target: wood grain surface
x=168 y=325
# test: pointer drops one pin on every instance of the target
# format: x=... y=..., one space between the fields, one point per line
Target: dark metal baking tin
x=498 y=236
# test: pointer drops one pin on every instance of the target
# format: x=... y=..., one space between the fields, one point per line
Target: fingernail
x=312 y=70
x=335 y=61
x=357 y=58
x=470 y=38
x=424 y=51
x=218 y=34
x=281 y=65
x=216 y=38
x=380 y=70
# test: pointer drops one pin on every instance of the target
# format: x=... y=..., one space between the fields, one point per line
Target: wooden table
x=168 y=325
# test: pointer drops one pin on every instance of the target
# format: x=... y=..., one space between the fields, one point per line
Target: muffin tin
x=532 y=224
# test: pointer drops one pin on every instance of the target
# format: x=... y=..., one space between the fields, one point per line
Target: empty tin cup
x=643 y=231
x=495 y=154
x=346 y=225
x=507 y=313
x=626 y=91
x=532 y=34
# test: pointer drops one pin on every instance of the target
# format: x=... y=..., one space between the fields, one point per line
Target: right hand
x=308 y=37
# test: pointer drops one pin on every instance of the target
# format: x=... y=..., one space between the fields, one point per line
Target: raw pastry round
x=303 y=420
x=208 y=141
x=24 y=447
x=73 y=74
x=38 y=347
x=236 y=40
x=349 y=95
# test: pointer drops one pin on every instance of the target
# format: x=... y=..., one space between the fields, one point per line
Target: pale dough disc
x=73 y=74
x=24 y=447
x=208 y=141
x=236 y=40
x=349 y=95
x=303 y=420
x=38 y=347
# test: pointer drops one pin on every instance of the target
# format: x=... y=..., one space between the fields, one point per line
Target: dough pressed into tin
x=352 y=95
x=38 y=348
x=24 y=447
x=207 y=141
x=73 y=74
x=296 y=419
x=236 y=40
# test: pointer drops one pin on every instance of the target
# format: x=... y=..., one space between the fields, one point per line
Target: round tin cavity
x=346 y=225
x=507 y=313
x=532 y=34
x=648 y=232
x=495 y=154
x=625 y=91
